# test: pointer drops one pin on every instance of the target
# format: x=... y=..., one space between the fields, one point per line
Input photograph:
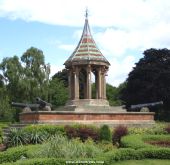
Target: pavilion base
x=137 y=119
x=90 y=105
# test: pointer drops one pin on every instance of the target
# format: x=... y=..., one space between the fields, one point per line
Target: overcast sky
x=122 y=29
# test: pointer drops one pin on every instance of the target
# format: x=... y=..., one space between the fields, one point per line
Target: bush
x=36 y=137
x=105 y=133
x=12 y=155
x=119 y=132
x=16 y=137
x=155 y=153
x=106 y=146
x=59 y=146
x=48 y=129
x=134 y=142
x=39 y=161
x=82 y=131
x=55 y=161
x=157 y=129
x=32 y=134
x=138 y=142
x=131 y=154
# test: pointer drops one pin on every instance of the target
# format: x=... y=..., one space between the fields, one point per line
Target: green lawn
x=143 y=162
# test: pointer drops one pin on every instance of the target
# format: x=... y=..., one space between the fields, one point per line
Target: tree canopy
x=149 y=81
x=23 y=79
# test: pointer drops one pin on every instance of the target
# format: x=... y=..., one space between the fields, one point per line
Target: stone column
x=103 y=75
x=96 y=84
x=104 y=86
x=99 y=84
x=70 y=84
x=88 y=82
x=85 y=86
x=76 y=83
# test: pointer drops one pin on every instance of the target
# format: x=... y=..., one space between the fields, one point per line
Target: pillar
x=70 y=84
x=103 y=80
x=88 y=82
x=99 y=83
x=76 y=83
x=96 y=84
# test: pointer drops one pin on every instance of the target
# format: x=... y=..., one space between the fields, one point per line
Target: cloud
x=119 y=69
x=54 y=69
x=67 y=47
x=103 y=13
x=123 y=26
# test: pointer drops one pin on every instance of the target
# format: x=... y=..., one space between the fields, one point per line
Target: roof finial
x=86 y=15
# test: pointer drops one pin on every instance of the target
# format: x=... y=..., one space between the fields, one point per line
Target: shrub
x=167 y=129
x=155 y=153
x=105 y=133
x=48 y=129
x=40 y=161
x=16 y=137
x=82 y=131
x=12 y=154
x=119 y=132
x=106 y=146
x=55 y=161
x=134 y=142
x=157 y=129
x=59 y=146
x=138 y=142
x=36 y=137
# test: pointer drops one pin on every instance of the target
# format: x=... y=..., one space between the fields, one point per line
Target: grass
x=143 y=162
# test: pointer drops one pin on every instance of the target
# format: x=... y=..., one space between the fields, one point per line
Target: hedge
x=108 y=158
x=138 y=142
x=50 y=129
x=12 y=155
x=38 y=161
x=56 y=161
x=132 y=154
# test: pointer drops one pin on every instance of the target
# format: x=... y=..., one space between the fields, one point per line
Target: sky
x=122 y=30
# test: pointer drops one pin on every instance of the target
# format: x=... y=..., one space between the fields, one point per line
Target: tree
x=112 y=94
x=58 y=93
x=12 y=72
x=149 y=80
x=36 y=74
x=63 y=76
x=6 y=111
x=22 y=81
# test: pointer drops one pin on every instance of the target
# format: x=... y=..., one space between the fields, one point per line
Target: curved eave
x=86 y=62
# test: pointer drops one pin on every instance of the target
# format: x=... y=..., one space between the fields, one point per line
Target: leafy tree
x=12 y=72
x=63 y=76
x=6 y=111
x=23 y=80
x=58 y=93
x=112 y=94
x=149 y=80
x=36 y=73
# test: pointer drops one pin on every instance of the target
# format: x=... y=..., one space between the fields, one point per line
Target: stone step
x=6 y=130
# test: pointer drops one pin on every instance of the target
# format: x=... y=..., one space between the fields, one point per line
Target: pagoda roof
x=86 y=50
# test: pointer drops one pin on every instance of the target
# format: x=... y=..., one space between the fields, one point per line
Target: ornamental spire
x=86 y=15
x=86 y=50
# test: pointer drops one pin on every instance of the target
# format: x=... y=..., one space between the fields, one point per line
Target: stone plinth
x=110 y=118
x=88 y=102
